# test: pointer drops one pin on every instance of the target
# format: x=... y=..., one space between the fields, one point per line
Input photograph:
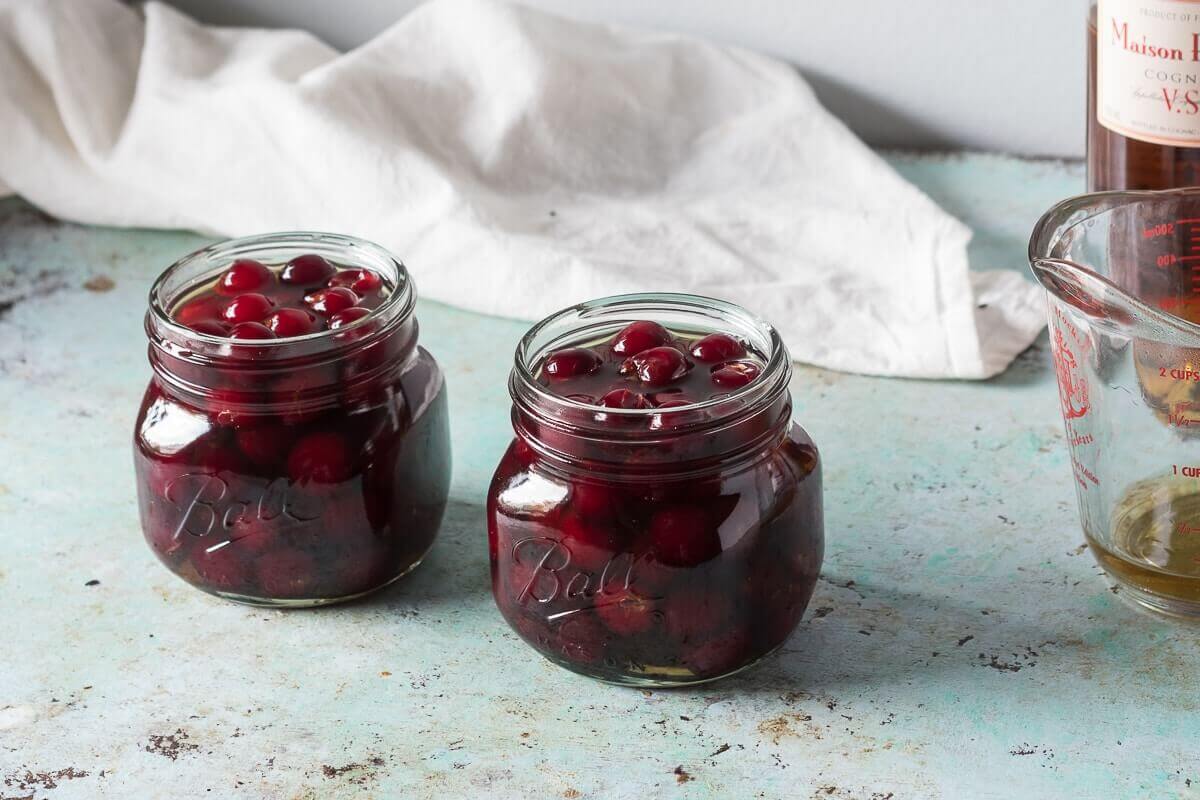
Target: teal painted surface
x=960 y=643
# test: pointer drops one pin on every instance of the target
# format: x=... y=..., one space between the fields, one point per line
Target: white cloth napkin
x=516 y=161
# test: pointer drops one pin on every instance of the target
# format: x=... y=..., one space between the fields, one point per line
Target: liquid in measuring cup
x=1122 y=272
x=1156 y=537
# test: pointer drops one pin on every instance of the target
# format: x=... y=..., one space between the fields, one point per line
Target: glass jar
x=291 y=472
x=651 y=547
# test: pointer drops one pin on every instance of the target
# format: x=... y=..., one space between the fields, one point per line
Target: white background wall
x=1002 y=75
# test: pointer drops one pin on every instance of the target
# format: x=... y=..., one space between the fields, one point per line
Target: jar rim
x=526 y=390
x=400 y=301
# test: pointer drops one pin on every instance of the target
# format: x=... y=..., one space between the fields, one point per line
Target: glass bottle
x=1143 y=94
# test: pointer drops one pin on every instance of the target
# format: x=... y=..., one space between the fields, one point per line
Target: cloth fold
x=516 y=161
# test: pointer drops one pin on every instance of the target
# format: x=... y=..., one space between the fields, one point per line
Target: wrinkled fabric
x=516 y=161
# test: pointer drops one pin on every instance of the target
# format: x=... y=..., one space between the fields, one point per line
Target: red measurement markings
x=1185 y=471
x=1180 y=374
x=1190 y=278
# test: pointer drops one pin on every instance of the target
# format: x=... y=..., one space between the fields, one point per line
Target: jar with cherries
x=292 y=448
x=657 y=520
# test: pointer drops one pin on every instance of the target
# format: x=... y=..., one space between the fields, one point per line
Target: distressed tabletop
x=961 y=642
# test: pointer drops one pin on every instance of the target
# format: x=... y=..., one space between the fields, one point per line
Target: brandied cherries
x=250 y=300
x=292 y=447
x=657 y=520
x=644 y=365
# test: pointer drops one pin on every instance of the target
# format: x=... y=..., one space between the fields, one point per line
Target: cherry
x=211 y=456
x=682 y=536
x=692 y=614
x=592 y=543
x=286 y=573
x=719 y=655
x=328 y=302
x=664 y=421
x=717 y=347
x=306 y=270
x=623 y=398
x=251 y=330
x=229 y=407
x=321 y=457
x=592 y=501
x=735 y=374
x=348 y=317
x=362 y=281
x=571 y=363
x=251 y=307
x=203 y=308
x=210 y=327
x=638 y=336
x=626 y=613
x=244 y=275
x=265 y=445
x=582 y=639
x=288 y=322
x=657 y=366
x=221 y=567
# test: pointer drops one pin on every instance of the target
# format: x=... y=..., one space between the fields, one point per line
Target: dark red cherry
x=362 y=281
x=683 y=536
x=251 y=307
x=638 y=336
x=307 y=270
x=717 y=347
x=348 y=317
x=657 y=366
x=244 y=275
x=365 y=282
x=266 y=445
x=593 y=501
x=199 y=309
x=251 y=330
x=718 y=655
x=625 y=612
x=222 y=568
x=696 y=612
x=570 y=363
x=210 y=327
x=661 y=422
x=328 y=302
x=286 y=573
x=322 y=457
x=623 y=398
x=591 y=542
x=581 y=639
x=288 y=322
x=735 y=374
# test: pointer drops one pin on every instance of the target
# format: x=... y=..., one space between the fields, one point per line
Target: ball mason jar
x=649 y=547
x=291 y=472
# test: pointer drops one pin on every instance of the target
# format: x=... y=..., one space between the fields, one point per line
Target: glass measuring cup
x=1122 y=272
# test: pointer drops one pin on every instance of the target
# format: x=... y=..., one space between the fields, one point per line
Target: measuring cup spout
x=1097 y=298
x=1112 y=256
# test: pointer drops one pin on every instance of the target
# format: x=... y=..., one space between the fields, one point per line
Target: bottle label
x=1148 y=70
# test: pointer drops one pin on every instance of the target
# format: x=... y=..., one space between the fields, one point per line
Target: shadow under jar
x=294 y=471
x=656 y=546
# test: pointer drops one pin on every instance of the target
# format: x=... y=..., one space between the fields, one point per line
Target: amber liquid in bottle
x=1120 y=162
x=1153 y=546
